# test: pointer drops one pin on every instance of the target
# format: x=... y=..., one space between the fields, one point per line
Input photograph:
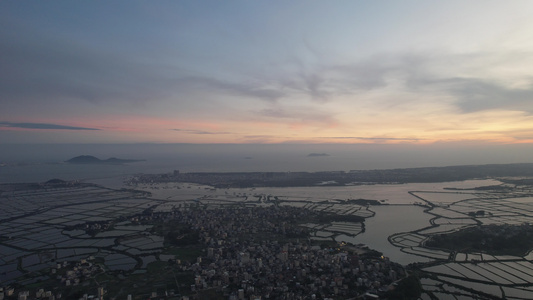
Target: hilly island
x=89 y=159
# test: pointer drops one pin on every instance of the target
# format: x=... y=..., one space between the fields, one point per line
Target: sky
x=259 y=72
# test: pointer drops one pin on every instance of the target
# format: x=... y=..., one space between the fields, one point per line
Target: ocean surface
x=37 y=163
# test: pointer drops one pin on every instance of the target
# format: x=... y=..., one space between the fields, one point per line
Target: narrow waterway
x=391 y=219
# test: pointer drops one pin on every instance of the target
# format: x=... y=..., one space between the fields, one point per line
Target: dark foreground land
x=73 y=239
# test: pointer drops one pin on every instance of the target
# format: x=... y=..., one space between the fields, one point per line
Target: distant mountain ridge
x=89 y=159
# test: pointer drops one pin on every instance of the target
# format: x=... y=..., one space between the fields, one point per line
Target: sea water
x=29 y=163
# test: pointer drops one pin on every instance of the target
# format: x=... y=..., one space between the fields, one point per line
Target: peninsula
x=511 y=173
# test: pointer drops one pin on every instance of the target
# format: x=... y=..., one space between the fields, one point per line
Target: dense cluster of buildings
x=257 y=252
x=76 y=273
x=68 y=274
x=244 y=262
x=291 y=271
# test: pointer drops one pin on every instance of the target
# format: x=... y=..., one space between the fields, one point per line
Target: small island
x=317 y=154
x=89 y=159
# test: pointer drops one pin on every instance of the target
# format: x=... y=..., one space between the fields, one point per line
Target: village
x=242 y=251
x=244 y=262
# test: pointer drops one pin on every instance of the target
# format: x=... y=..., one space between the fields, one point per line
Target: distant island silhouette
x=317 y=154
x=89 y=159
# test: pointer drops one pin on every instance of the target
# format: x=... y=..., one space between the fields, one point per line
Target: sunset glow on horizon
x=240 y=72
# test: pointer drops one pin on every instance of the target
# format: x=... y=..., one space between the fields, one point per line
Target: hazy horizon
x=277 y=157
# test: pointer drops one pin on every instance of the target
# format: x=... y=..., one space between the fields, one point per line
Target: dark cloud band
x=192 y=131
x=45 y=126
x=372 y=138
